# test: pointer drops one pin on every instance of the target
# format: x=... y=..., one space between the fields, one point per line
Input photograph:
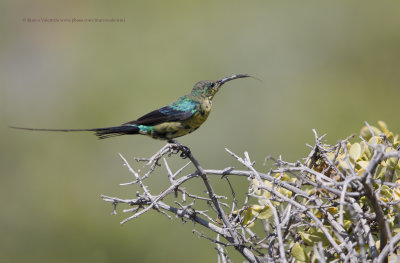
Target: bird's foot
x=185 y=151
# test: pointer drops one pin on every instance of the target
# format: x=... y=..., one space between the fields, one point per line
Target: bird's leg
x=185 y=151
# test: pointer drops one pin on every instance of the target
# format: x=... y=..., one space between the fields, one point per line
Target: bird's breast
x=201 y=114
x=198 y=118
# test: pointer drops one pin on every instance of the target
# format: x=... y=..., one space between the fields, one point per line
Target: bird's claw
x=185 y=151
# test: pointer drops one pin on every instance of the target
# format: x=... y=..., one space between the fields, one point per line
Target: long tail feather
x=102 y=133
x=53 y=130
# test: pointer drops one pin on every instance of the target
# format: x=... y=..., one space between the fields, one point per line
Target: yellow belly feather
x=176 y=129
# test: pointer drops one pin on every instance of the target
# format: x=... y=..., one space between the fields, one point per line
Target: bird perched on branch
x=179 y=118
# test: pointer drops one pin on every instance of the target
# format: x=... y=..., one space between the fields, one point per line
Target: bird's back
x=197 y=112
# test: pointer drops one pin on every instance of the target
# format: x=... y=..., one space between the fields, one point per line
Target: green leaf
x=391 y=162
x=343 y=163
x=355 y=151
x=265 y=214
x=305 y=237
x=386 y=192
x=380 y=172
x=363 y=164
x=298 y=252
x=366 y=152
x=247 y=216
x=375 y=140
x=366 y=133
x=347 y=224
x=314 y=236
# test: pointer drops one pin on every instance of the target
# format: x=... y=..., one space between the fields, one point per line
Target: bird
x=181 y=117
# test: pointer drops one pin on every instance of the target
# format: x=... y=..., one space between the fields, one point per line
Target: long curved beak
x=238 y=76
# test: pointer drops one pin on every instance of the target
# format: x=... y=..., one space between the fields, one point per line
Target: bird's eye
x=212 y=85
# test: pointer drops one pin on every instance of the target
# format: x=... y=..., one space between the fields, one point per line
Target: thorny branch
x=325 y=203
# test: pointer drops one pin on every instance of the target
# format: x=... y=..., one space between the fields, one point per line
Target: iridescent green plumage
x=179 y=118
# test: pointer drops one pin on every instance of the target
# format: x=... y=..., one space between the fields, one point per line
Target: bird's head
x=208 y=88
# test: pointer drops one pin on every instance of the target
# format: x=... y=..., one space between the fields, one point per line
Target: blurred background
x=328 y=66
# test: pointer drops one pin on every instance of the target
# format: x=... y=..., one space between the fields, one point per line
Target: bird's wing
x=180 y=110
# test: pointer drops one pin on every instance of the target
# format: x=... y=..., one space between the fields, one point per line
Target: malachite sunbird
x=183 y=116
